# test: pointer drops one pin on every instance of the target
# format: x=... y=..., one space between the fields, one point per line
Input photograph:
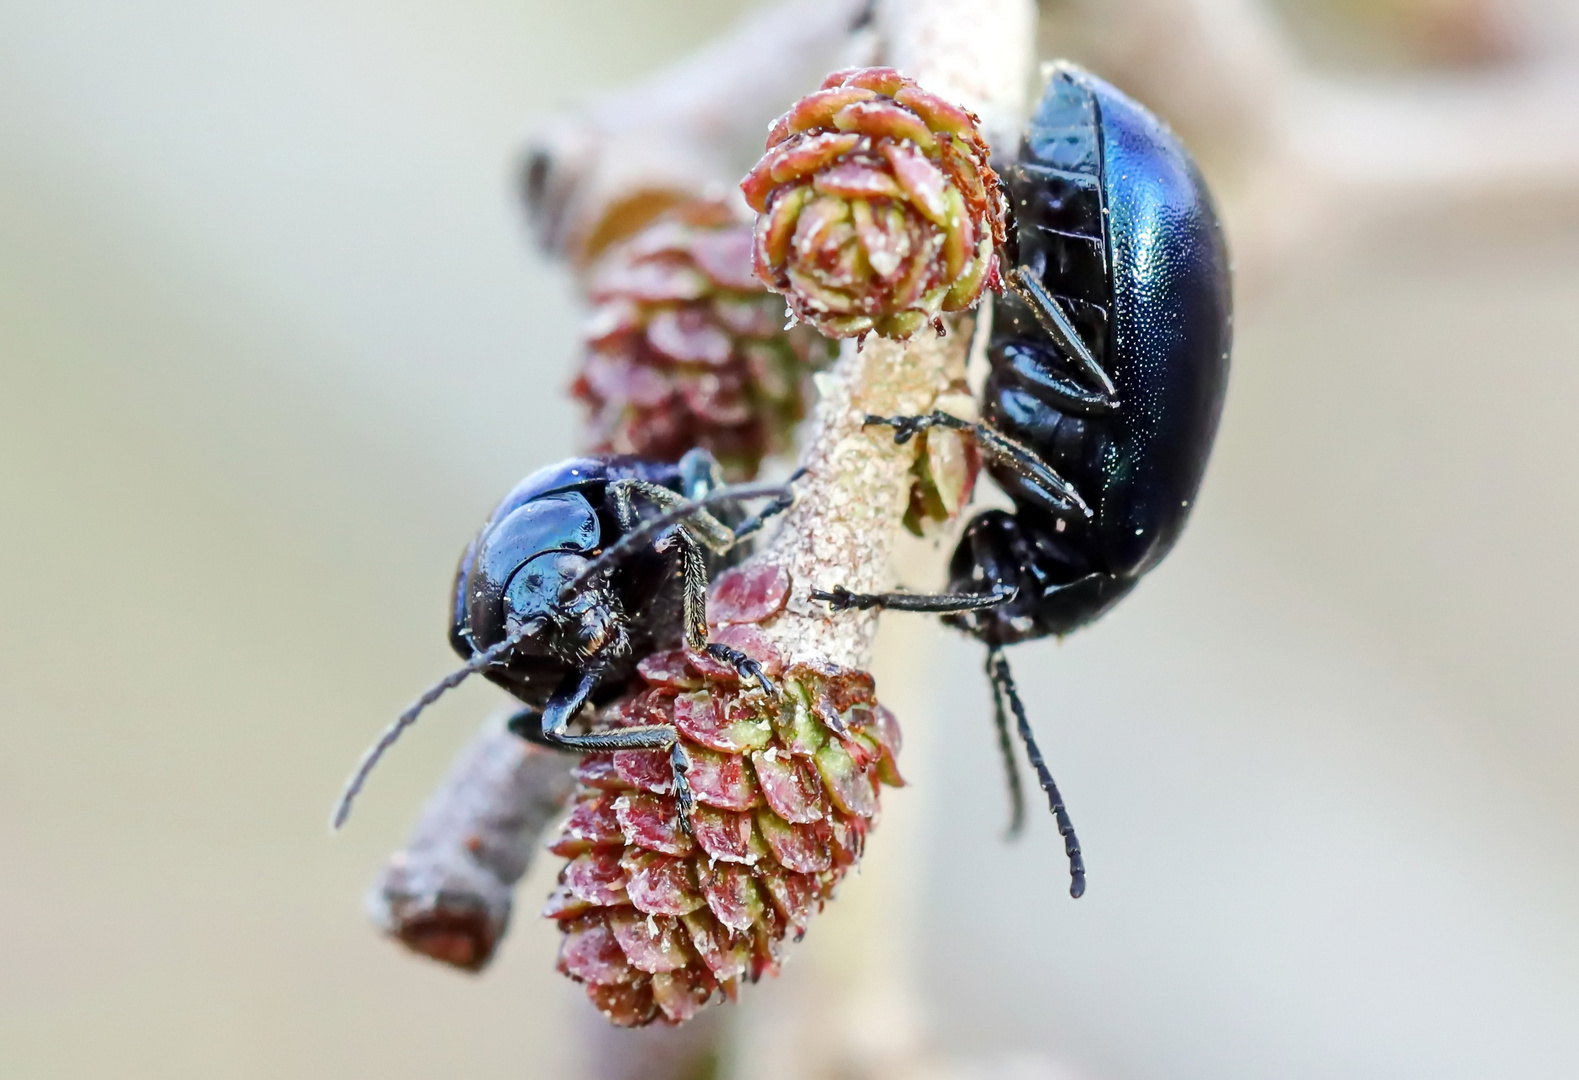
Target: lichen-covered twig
x=593 y=178
x=975 y=53
x=857 y=487
x=668 y=900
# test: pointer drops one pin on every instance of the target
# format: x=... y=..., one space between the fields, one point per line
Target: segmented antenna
x=1011 y=768
x=652 y=526
x=392 y=733
x=998 y=670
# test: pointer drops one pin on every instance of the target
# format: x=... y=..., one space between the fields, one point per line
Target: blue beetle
x=580 y=571
x=1109 y=362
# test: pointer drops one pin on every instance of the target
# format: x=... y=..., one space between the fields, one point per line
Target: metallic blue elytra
x=1115 y=224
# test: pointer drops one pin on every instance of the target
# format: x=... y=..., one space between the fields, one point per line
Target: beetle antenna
x=652 y=526
x=998 y=670
x=392 y=733
x=1011 y=767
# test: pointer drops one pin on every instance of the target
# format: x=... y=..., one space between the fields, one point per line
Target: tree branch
x=447 y=895
x=597 y=175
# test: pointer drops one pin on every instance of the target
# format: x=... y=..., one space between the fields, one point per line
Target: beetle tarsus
x=747 y=668
x=684 y=800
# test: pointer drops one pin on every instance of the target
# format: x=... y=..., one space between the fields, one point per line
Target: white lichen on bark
x=979 y=54
x=857 y=486
x=843 y=529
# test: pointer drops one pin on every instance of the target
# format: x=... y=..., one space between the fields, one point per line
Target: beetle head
x=590 y=620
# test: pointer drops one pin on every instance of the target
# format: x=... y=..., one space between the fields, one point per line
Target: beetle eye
x=532 y=627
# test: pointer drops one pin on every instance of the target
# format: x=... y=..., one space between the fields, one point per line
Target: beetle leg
x=684 y=800
x=553 y=724
x=550 y=728
x=693 y=612
x=651 y=529
x=693 y=592
x=1050 y=317
x=842 y=599
x=1041 y=371
x=619 y=494
x=1021 y=459
x=998 y=672
x=747 y=668
x=699 y=523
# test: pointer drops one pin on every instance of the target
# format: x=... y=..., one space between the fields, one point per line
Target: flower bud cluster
x=657 y=919
x=684 y=347
x=878 y=210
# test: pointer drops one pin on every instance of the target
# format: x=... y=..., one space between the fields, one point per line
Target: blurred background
x=273 y=338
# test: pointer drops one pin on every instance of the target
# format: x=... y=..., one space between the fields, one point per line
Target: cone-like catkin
x=685 y=347
x=656 y=921
x=878 y=209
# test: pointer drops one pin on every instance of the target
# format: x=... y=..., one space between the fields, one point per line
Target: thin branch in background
x=448 y=893
x=597 y=175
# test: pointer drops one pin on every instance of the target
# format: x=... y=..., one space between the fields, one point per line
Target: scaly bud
x=877 y=208
x=657 y=920
x=684 y=347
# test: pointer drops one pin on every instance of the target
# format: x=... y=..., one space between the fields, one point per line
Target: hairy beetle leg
x=685 y=801
x=693 y=573
x=693 y=596
x=1028 y=465
x=841 y=599
x=548 y=728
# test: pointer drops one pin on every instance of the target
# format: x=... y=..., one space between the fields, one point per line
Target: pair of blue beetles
x=1109 y=361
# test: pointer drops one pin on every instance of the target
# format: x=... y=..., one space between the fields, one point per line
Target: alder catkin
x=878 y=210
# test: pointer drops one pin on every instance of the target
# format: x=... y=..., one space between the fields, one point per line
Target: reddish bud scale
x=684 y=347
x=945 y=471
x=877 y=208
x=657 y=921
